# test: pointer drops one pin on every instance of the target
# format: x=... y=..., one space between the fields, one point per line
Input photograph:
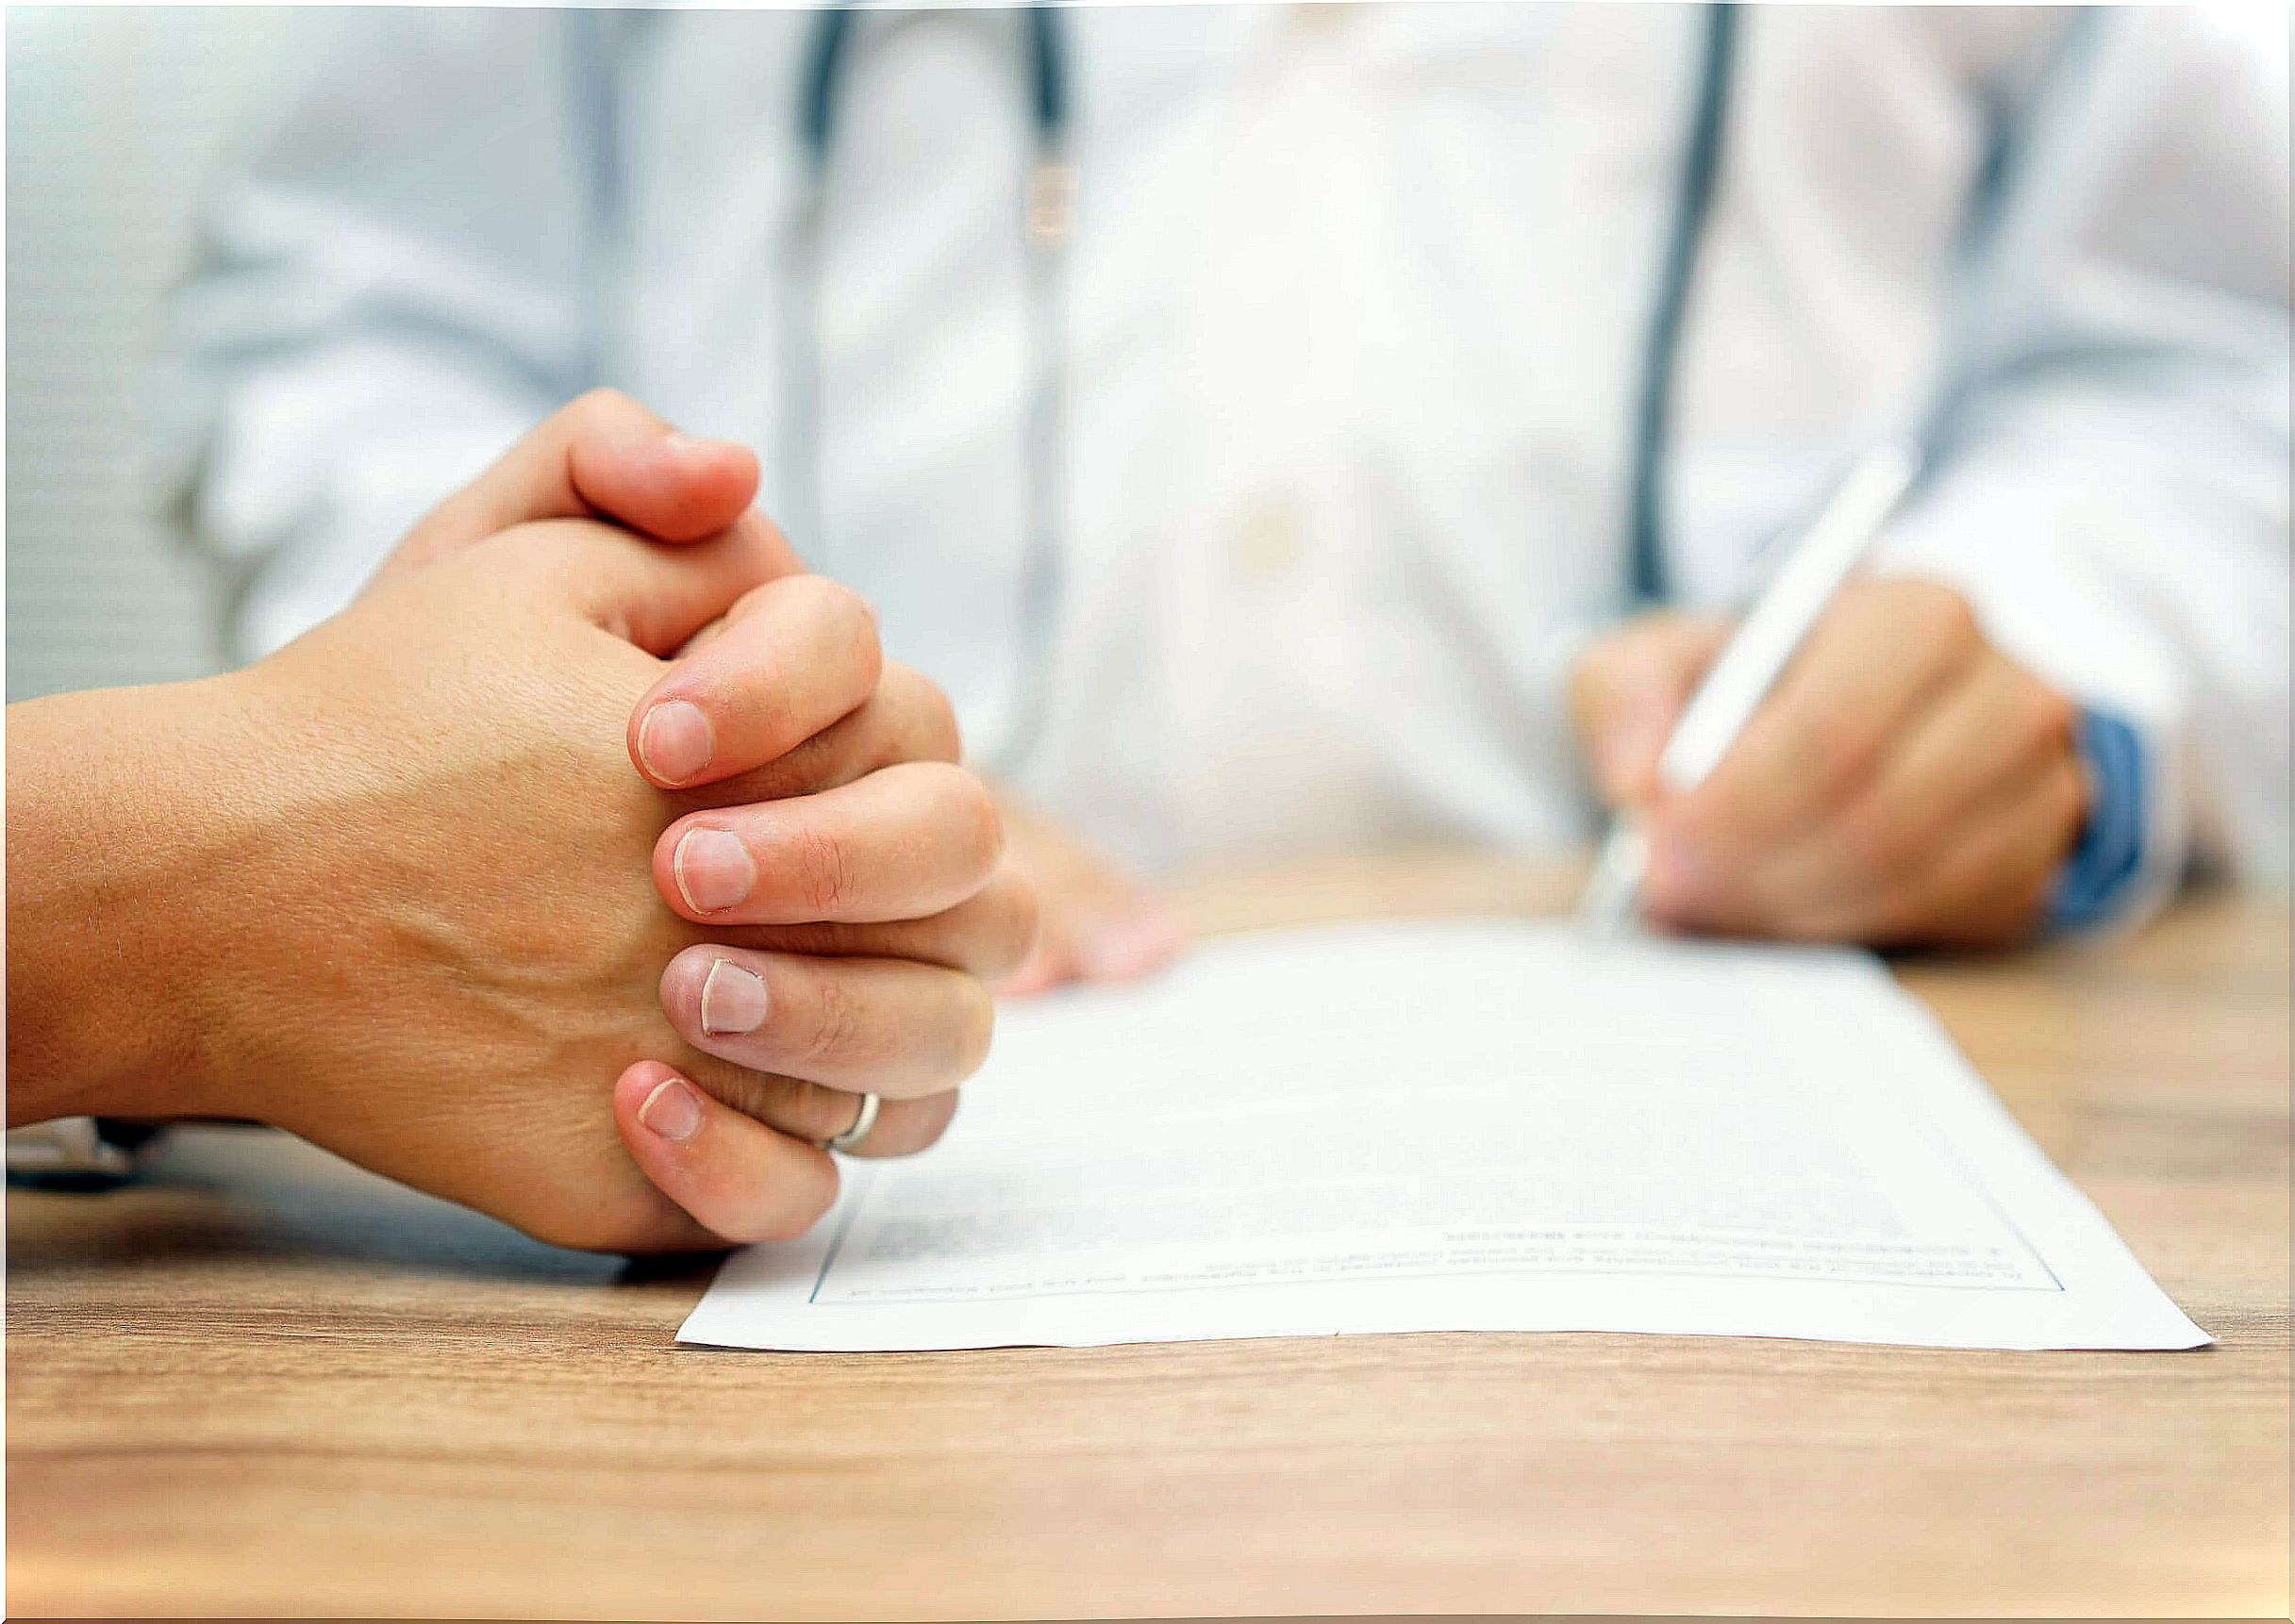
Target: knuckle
x=2046 y=716
x=974 y=820
x=1946 y=617
x=752 y=1093
x=833 y=1025
x=851 y=624
x=956 y=820
x=933 y=732
x=822 y=876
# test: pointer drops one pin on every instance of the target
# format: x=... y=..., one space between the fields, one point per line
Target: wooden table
x=266 y=1383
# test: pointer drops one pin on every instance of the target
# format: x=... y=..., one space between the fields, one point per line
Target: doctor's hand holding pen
x=1905 y=783
x=397 y=887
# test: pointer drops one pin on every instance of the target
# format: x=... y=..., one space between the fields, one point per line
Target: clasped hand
x=425 y=888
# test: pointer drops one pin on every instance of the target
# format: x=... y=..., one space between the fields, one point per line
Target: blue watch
x=2103 y=866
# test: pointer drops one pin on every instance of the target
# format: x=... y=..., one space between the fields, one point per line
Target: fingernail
x=732 y=999
x=713 y=870
x=678 y=444
x=672 y=1111
x=674 y=740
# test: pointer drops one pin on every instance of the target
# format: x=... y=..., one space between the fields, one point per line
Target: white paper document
x=1462 y=1126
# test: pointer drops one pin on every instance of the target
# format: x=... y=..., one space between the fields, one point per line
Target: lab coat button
x=1268 y=540
x=1321 y=16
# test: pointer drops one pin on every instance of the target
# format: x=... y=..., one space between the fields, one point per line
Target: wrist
x=118 y=801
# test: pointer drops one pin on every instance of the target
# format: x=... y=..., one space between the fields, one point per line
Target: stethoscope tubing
x=1047 y=208
x=1046 y=224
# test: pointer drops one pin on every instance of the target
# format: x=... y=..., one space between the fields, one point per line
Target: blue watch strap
x=2103 y=865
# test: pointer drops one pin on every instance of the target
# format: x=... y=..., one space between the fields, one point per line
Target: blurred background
x=121 y=120
x=117 y=116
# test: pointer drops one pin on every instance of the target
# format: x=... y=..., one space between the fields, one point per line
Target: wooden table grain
x=263 y=1383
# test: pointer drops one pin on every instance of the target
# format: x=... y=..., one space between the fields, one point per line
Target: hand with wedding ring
x=822 y=808
x=388 y=888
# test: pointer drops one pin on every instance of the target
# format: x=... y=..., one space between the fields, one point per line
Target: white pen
x=1752 y=661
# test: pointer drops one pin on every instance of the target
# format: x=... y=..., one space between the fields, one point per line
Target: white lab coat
x=1357 y=299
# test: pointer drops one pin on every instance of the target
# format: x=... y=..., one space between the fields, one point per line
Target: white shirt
x=1358 y=300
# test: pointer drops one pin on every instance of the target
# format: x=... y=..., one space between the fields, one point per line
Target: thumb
x=603 y=456
x=1627 y=690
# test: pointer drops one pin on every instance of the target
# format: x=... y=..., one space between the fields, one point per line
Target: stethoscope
x=1046 y=220
x=1048 y=214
